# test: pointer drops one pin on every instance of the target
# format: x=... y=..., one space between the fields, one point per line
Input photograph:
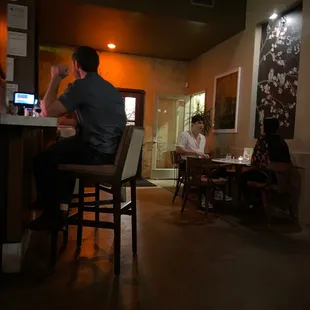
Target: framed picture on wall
x=226 y=101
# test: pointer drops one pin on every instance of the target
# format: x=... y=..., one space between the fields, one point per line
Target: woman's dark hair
x=87 y=58
x=197 y=118
x=271 y=125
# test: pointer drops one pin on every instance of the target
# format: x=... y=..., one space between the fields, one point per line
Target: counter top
x=17 y=120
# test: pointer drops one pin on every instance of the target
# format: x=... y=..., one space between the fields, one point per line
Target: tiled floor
x=179 y=266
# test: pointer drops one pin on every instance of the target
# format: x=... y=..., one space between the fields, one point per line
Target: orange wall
x=154 y=76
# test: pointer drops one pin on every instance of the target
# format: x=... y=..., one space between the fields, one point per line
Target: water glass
x=228 y=156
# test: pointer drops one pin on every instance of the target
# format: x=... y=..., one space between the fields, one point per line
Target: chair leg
x=80 y=214
x=177 y=189
x=133 y=215
x=230 y=185
x=224 y=193
x=206 y=197
x=186 y=193
x=184 y=188
x=267 y=206
x=117 y=229
x=97 y=199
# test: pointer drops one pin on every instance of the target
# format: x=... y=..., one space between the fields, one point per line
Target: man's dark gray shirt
x=100 y=110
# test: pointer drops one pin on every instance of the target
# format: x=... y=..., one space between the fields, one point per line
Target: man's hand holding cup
x=59 y=71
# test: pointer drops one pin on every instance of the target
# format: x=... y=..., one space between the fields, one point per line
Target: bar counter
x=21 y=139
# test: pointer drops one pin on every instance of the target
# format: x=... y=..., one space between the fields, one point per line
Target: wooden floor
x=179 y=266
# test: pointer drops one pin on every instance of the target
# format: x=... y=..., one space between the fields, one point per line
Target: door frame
x=142 y=93
x=162 y=173
x=135 y=91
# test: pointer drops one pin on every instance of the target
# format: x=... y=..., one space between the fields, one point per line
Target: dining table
x=238 y=163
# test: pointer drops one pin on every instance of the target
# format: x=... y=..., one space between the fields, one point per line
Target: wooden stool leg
x=1 y=250
x=97 y=199
x=117 y=229
x=80 y=214
x=229 y=185
x=65 y=237
x=133 y=215
x=54 y=248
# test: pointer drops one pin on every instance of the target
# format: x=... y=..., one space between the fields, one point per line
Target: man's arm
x=68 y=120
x=183 y=151
x=50 y=106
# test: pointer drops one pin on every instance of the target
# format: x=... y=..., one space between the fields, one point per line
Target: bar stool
x=124 y=170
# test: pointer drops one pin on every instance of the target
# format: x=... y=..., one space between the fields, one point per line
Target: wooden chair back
x=198 y=171
x=283 y=172
x=175 y=158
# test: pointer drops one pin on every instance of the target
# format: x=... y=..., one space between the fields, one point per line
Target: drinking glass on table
x=228 y=156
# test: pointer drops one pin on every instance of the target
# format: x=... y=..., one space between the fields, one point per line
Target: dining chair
x=279 y=188
x=181 y=173
x=202 y=176
x=275 y=188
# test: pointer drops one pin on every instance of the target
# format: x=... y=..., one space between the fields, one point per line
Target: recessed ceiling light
x=111 y=46
x=273 y=16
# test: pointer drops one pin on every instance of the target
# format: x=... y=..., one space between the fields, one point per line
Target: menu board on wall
x=17 y=16
x=22 y=43
x=17 y=43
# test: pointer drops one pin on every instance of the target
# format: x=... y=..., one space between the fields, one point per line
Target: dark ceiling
x=167 y=33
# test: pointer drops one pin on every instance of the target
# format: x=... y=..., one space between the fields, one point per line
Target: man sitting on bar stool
x=101 y=115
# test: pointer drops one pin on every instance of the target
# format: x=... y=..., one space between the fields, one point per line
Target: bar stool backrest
x=128 y=153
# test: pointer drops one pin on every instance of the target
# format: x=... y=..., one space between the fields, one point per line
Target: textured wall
x=278 y=72
x=154 y=76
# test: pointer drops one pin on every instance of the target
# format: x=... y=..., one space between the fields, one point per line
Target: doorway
x=134 y=107
x=173 y=115
x=171 y=118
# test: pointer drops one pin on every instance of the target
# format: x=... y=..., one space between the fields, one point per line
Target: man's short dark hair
x=87 y=58
x=197 y=118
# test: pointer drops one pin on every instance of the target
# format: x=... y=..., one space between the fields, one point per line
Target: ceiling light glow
x=111 y=46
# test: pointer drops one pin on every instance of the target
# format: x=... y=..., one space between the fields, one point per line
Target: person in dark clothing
x=269 y=148
x=101 y=116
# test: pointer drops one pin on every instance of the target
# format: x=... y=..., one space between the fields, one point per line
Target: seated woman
x=269 y=148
